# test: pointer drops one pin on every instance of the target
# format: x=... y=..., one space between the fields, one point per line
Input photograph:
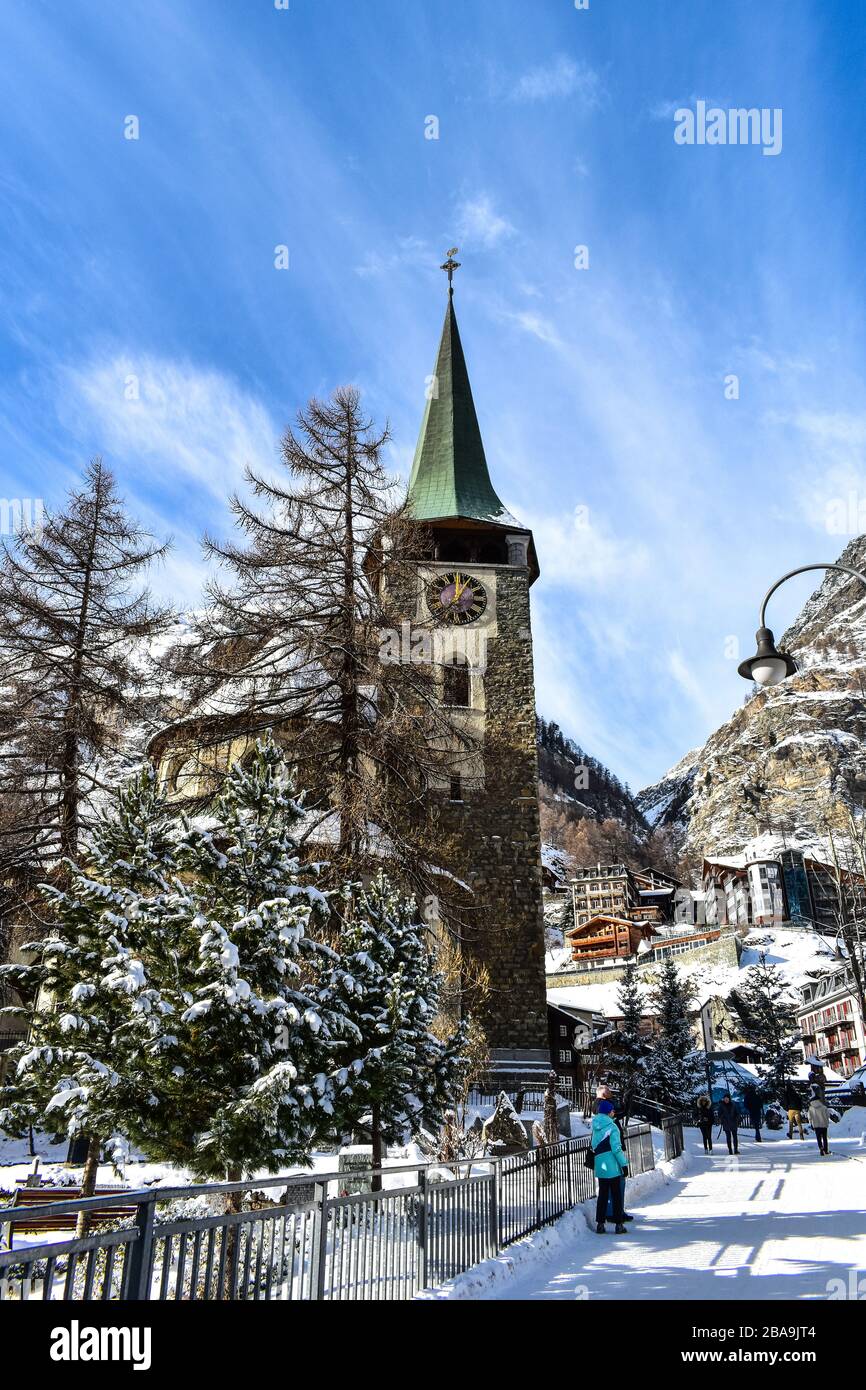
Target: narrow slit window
x=456 y=683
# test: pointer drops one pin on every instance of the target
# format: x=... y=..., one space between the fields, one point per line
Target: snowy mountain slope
x=579 y=784
x=788 y=751
x=665 y=801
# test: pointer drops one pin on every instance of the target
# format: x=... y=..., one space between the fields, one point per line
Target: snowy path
x=779 y=1222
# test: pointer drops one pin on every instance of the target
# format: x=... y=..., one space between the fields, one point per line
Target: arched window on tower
x=457 y=684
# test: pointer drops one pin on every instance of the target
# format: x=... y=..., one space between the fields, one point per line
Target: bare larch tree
x=302 y=640
x=75 y=625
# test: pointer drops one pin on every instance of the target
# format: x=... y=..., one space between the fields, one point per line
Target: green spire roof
x=449 y=473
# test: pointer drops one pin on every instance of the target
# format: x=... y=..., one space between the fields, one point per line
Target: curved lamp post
x=769 y=666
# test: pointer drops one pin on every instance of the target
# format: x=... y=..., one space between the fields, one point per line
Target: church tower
x=476 y=586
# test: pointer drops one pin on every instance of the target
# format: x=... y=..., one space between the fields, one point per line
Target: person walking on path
x=611 y=1205
x=792 y=1103
x=755 y=1109
x=604 y=1093
x=705 y=1122
x=610 y=1164
x=819 y=1119
x=729 y=1118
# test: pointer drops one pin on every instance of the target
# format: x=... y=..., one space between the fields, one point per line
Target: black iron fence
x=305 y=1238
x=672 y=1128
x=527 y=1097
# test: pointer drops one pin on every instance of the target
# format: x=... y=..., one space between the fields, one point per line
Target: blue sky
x=662 y=509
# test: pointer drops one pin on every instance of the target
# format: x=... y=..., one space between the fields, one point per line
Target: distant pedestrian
x=755 y=1109
x=817 y=1078
x=705 y=1122
x=610 y=1163
x=729 y=1118
x=793 y=1104
x=819 y=1119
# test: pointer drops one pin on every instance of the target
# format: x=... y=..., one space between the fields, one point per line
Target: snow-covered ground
x=777 y=1222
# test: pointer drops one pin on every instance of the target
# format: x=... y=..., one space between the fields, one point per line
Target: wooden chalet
x=647 y=912
x=605 y=936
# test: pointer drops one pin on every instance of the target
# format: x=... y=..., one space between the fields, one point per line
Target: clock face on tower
x=456 y=598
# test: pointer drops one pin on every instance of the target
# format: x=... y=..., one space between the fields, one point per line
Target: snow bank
x=852 y=1125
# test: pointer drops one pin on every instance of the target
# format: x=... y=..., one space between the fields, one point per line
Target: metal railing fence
x=528 y=1097
x=672 y=1128
x=311 y=1239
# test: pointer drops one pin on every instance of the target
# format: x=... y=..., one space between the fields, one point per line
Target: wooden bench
x=35 y=1197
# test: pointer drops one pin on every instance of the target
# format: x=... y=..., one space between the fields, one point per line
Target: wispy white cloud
x=536 y=325
x=582 y=552
x=410 y=251
x=827 y=478
x=694 y=686
x=480 y=223
x=174 y=418
x=561 y=78
x=666 y=110
x=756 y=357
x=829 y=428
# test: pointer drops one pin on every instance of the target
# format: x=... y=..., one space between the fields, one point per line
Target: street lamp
x=769 y=666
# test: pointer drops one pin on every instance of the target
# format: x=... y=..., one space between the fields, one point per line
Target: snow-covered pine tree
x=94 y=1015
x=769 y=1022
x=182 y=1002
x=254 y=1079
x=388 y=981
x=628 y=1056
x=566 y=915
x=673 y=1068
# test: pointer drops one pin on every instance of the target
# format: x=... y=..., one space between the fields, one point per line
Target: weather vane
x=450 y=266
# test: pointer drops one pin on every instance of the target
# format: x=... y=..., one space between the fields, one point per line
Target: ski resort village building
x=741 y=890
x=645 y=895
x=830 y=1021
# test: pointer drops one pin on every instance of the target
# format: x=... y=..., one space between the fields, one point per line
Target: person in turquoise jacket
x=610 y=1163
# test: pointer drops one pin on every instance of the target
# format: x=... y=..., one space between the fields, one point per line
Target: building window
x=456 y=690
x=456 y=788
x=563 y=1030
x=564 y=1056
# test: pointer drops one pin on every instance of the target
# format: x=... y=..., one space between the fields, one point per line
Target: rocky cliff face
x=789 y=751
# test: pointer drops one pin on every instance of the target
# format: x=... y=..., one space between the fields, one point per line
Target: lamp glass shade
x=769 y=670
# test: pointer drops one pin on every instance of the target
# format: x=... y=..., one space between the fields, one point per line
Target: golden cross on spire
x=450 y=266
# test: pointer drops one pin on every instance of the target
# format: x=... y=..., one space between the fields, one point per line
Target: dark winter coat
x=754 y=1107
x=729 y=1116
x=705 y=1116
x=792 y=1099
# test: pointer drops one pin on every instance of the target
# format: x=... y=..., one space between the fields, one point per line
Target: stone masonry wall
x=495 y=839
